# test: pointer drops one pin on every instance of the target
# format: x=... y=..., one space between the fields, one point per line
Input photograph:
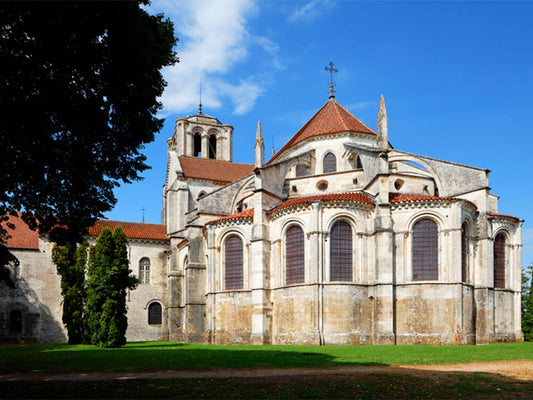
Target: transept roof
x=214 y=170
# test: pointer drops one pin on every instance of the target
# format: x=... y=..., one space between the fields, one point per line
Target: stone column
x=316 y=266
x=260 y=270
x=195 y=287
x=484 y=283
x=384 y=329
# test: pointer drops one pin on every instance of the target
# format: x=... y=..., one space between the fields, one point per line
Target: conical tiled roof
x=331 y=118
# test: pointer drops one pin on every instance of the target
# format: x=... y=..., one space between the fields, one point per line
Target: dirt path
x=521 y=370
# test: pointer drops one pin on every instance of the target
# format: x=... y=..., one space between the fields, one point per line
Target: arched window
x=425 y=254
x=330 y=163
x=213 y=146
x=155 y=314
x=144 y=270
x=499 y=261
x=197 y=145
x=341 y=263
x=294 y=255
x=233 y=262
x=465 y=244
x=15 y=321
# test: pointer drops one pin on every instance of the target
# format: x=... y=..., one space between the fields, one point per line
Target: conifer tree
x=527 y=303
x=108 y=279
x=70 y=261
x=100 y=258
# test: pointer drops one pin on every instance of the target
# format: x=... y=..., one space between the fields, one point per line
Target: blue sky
x=457 y=79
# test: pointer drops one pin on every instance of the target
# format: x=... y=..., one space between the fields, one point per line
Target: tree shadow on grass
x=153 y=357
x=370 y=383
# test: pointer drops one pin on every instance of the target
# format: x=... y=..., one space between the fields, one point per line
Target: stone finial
x=383 y=126
x=259 y=147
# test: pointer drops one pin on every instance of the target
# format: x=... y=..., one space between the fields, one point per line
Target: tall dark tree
x=71 y=265
x=527 y=303
x=109 y=277
x=79 y=83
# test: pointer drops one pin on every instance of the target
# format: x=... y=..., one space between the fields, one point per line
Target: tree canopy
x=79 y=88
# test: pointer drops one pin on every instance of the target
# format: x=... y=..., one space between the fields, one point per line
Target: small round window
x=398 y=184
x=322 y=185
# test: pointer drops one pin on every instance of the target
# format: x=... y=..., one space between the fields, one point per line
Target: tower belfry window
x=197 y=145
x=213 y=146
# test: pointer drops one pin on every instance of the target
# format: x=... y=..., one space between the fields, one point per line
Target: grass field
x=152 y=356
x=397 y=383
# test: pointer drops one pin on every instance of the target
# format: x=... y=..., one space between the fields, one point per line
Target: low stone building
x=338 y=239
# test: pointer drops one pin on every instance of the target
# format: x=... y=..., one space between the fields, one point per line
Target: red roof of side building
x=214 y=170
x=356 y=197
x=331 y=118
x=131 y=229
x=22 y=237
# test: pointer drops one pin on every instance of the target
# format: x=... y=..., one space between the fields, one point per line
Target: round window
x=322 y=185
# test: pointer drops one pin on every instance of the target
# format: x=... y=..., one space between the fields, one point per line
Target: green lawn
x=150 y=356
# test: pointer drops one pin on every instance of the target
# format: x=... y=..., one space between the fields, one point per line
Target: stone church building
x=339 y=238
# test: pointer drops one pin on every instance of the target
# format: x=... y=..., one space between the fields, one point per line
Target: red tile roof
x=214 y=170
x=131 y=229
x=405 y=198
x=22 y=237
x=331 y=118
x=356 y=197
x=246 y=214
x=493 y=214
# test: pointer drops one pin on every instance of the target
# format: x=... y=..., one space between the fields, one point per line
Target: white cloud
x=213 y=39
x=310 y=10
x=361 y=105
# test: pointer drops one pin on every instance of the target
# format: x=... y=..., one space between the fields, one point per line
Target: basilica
x=338 y=238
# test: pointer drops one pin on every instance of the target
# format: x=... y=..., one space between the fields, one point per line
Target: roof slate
x=405 y=198
x=356 y=197
x=331 y=118
x=494 y=214
x=214 y=170
x=246 y=214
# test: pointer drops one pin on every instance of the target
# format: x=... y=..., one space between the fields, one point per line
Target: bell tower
x=203 y=136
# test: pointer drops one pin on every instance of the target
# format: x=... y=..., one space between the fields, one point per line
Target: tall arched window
x=213 y=146
x=197 y=144
x=341 y=262
x=144 y=270
x=499 y=261
x=155 y=314
x=294 y=255
x=425 y=254
x=465 y=244
x=233 y=262
x=330 y=163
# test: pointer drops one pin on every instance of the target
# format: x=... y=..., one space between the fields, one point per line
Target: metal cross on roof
x=331 y=84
